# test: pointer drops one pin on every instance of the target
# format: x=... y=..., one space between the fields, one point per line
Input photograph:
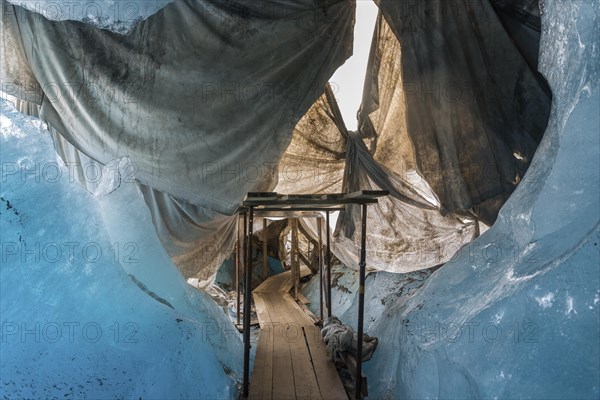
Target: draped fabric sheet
x=453 y=108
x=315 y=159
x=211 y=100
x=522 y=21
x=202 y=96
x=447 y=79
x=405 y=231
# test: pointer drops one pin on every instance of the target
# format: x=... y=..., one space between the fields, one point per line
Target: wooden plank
x=305 y=382
x=302 y=298
x=261 y=383
x=273 y=284
x=329 y=381
x=262 y=372
x=283 y=382
x=313 y=318
x=307 y=234
x=295 y=357
x=294 y=311
x=261 y=311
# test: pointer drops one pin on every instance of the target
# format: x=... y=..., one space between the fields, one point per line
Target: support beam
x=320 y=251
x=305 y=260
x=328 y=259
x=295 y=257
x=237 y=271
x=247 y=300
x=361 y=301
x=243 y=259
x=310 y=240
x=264 y=250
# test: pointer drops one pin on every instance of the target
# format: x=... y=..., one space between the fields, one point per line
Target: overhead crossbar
x=264 y=200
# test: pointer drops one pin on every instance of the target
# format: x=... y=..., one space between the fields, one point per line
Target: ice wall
x=91 y=305
x=515 y=314
x=381 y=288
x=118 y=16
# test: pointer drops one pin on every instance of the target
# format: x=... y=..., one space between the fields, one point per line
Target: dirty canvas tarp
x=202 y=96
x=405 y=231
x=451 y=115
x=206 y=112
x=447 y=80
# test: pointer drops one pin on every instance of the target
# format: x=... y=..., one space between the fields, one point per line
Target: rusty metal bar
x=247 y=301
x=237 y=271
x=294 y=258
x=361 y=301
x=328 y=258
x=265 y=256
x=320 y=252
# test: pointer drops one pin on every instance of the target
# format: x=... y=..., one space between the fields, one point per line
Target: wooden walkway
x=291 y=360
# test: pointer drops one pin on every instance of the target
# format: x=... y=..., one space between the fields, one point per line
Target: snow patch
x=498 y=317
x=546 y=301
x=570 y=306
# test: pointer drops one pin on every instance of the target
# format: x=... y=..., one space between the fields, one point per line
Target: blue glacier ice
x=92 y=306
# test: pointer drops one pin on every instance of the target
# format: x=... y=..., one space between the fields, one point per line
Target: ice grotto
x=135 y=133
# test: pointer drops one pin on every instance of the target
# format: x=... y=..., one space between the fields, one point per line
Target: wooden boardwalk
x=291 y=360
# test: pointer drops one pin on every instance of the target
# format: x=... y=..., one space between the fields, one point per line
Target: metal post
x=361 y=301
x=328 y=258
x=264 y=250
x=243 y=262
x=294 y=258
x=320 y=252
x=247 y=300
x=237 y=271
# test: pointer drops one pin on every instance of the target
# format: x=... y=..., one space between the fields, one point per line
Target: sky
x=347 y=82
